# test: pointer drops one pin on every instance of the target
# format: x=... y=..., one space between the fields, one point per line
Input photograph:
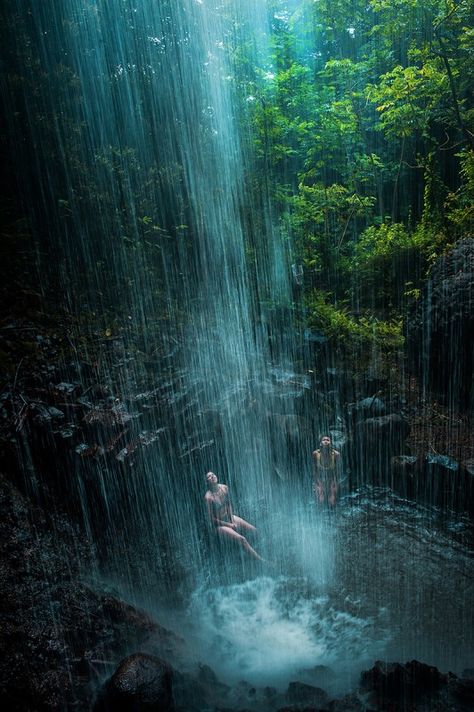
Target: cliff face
x=440 y=333
x=59 y=635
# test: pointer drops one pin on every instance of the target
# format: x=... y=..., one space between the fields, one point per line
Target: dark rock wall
x=440 y=333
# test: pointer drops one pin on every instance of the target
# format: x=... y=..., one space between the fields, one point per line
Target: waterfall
x=141 y=133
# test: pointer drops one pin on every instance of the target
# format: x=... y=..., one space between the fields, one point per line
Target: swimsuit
x=325 y=473
x=220 y=504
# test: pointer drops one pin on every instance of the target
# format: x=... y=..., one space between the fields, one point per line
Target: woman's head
x=211 y=478
x=325 y=441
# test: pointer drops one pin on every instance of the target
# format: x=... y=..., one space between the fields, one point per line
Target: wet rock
x=64 y=389
x=441 y=482
x=117 y=414
x=376 y=441
x=342 y=382
x=287 y=429
x=319 y=675
x=339 y=438
x=189 y=694
x=207 y=677
x=439 y=333
x=194 y=448
x=141 y=683
x=290 y=378
x=467 y=470
x=468 y=466
x=45 y=415
x=67 y=433
x=349 y=703
x=406 y=684
x=64 y=634
x=302 y=694
x=462 y=691
x=403 y=473
x=393 y=428
x=244 y=694
x=369 y=407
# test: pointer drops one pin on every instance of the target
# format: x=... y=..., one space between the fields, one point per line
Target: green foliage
x=460 y=203
x=389 y=262
x=352 y=334
x=380 y=243
x=407 y=98
x=364 y=125
x=357 y=126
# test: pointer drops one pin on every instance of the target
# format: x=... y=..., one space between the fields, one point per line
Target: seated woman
x=227 y=525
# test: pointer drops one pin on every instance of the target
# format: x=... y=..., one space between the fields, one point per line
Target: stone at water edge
x=405 y=684
x=441 y=480
x=301 y=693
x=141 y=683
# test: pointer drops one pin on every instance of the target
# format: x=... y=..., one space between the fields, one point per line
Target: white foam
x=269 y=631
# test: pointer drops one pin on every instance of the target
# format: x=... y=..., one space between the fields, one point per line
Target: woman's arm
x=315 y=464
x=229 y=505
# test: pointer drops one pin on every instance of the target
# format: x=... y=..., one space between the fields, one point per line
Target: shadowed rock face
x=440 y=333
x=59 y=636
x=415 y=685
x=375 y=441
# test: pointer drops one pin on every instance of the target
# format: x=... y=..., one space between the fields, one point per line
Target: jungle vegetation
x=359 y=125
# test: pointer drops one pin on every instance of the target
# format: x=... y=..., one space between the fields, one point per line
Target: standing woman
x=227 y=525
x=326 y=462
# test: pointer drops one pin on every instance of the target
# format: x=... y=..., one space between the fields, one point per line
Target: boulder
x=405 y=685
x=368 y=407
x=141 y=683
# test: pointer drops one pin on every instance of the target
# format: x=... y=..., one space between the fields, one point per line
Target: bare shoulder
x=336 y=453
x=225 y=489
x=316 y=453
x=208 y=495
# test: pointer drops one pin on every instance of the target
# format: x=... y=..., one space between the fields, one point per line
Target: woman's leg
x=242 y=524
x=319 y=491
x=228 y=533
